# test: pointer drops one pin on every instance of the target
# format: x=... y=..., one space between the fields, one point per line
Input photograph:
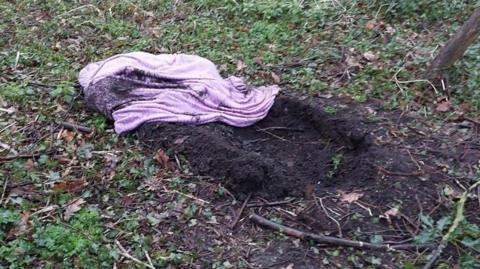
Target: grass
x=315 y=47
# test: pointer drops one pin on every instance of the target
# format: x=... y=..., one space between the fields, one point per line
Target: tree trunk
x=454 y=48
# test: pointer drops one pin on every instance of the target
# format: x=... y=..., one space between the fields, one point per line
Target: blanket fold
x=138 y=87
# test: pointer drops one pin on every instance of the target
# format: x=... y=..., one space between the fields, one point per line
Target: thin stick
x=398 y=82
x=271 y=203
x=19 y=156
x=74 y=127
x=330 y=239
x=458 y=218
x=400 y=174
x=203 y=202
x=125 y=254
x=82 y=7
x=4 y=190
x=281 y=128
x=148 y=258
x=272 y=134
x=330 y=217
x=239 y=214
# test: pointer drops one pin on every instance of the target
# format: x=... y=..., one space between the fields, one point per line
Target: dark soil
x=297 y=146
x=304 y=150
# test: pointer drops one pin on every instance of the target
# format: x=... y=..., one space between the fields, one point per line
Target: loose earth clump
x=299 y=147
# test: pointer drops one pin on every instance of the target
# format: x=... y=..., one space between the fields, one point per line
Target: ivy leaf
x=471 y=243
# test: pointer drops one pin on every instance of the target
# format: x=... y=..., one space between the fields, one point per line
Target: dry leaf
x=350 y=197
x=161 y=158
x=45 y=209
x=180 y=140
x=370 y=56
x=21 y=228
x=29 y=165
x=127 y=200
x=73 y=207
x=443 y=106
x=223 y=68
x=275 y=77
x=70 y=186
x=289 y=266
x=370 y=25
x=153 y=184
x=464 y=108
x=240 y=65
x=352 y=61
x=392 y=212
x=390 y=29
x=68 y=136
x=308 y=190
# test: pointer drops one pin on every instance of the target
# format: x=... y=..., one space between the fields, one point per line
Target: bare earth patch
x=353 y=170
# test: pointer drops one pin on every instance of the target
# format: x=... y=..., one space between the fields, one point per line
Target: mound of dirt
x=298 y=146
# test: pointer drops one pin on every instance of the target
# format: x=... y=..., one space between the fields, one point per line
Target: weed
x=336 y=162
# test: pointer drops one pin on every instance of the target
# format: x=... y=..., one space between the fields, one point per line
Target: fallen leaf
x=22 y=191
x=325 y=96
x=180 y=140
x=161 y=158
x=370 y=56
x=370 y=25
x=352 y=61
x=29 y=165
x=275 y=77
x=223 y=68
x=70 y=186
x=68 y=136
x=240 y=65
x=289 y=266
x=392 y=212
x=45 y=209
x=73 y=207
x=127 y=200
x=22 y=226
x=390 y=29
x=350 y=197
x=308 y=190
x=153 y=184
x=464 y=108
x=443 y=106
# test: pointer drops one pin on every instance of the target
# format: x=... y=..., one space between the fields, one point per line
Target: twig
x=398 y=82
x=330 y=217
x=82 y=7
x=4 y=190
x=458 y=218
x=330 y=239
x=148 y=258
x=203 y=202
x=19 y=156
x=271 y=203
x=239 y=214
x=281 y=128
x=125 y=254
x=472 y=120
x=72 y=127
x=38 y=84
x=400 y=174
x=272 y=134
